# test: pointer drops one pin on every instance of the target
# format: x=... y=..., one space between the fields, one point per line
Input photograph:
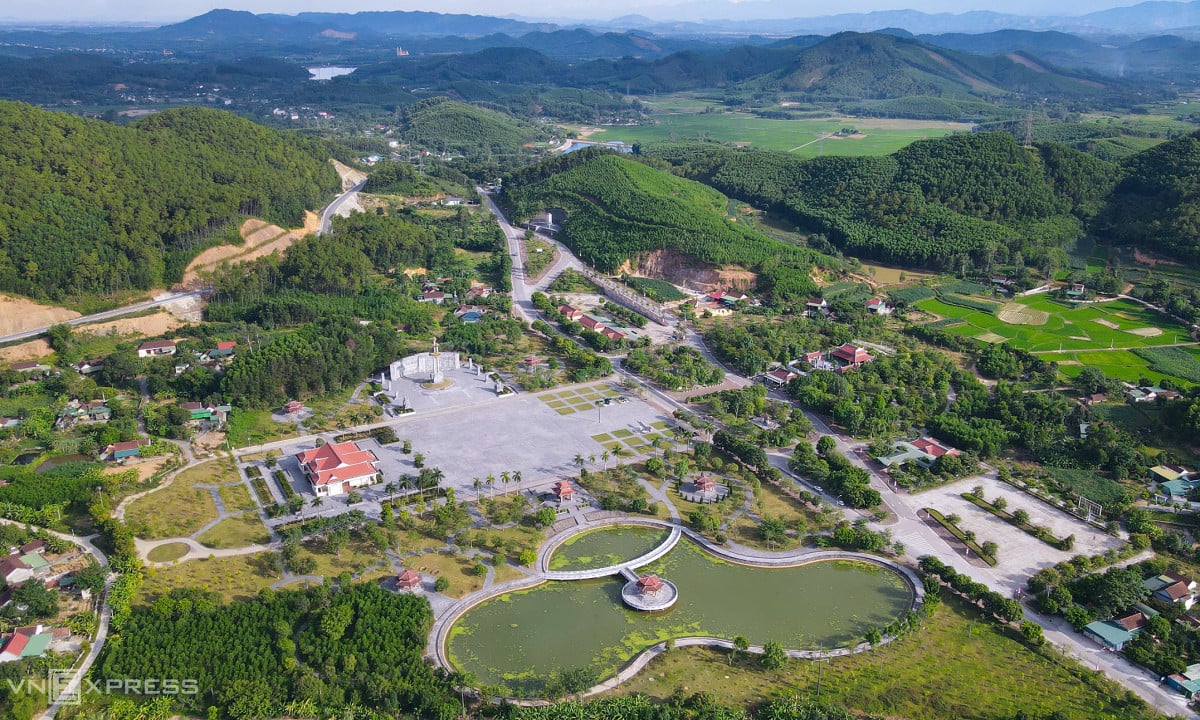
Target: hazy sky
x=173 y=10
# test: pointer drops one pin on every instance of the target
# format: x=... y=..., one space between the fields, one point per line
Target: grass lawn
x=503 y=572
x=236 y=498
x=168 y=552
x=357 y=556
x=453 y=567
x=510 y=541
x=236 y=532
x=254 y=427
x=179 y=509
x=959 y=665
x=800 y=137
x=538 y=256
x=236 y=578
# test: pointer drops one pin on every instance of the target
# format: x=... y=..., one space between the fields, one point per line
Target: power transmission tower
x=1029 y=130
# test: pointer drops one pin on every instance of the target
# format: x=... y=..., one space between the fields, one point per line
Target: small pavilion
x=409 y=580
x=705 y=484
x=650 y=585
x=563 y=491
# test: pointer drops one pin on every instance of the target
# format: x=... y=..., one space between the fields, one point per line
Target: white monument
x=427 y=368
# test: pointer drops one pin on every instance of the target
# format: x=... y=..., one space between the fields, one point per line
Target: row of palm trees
x=505 y=478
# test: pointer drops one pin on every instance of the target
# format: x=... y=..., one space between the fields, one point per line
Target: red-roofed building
x=409 y=580
x=850 y=356
x=570 y=312
x=813 y=357
x=227 y=345
x=704 y=484
x=779 y=377
x=337 y=468
x=156 y=348
x=614 y=335
x=650 y=584
x=437 y=297
x=879 y=306
x=293 y=406
x=590 y=323
x=563 y=490
x=14 y=571
x=127 y=449
x=933 y=448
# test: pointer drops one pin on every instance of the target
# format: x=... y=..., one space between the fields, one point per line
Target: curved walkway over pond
x=440 y=632
x=663 y=548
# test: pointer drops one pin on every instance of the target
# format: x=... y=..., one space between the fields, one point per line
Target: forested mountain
x=443 y=124
x=886 y=66
x=931 y=204
x=617 y=207
x=92 y=208
x=1157 y=204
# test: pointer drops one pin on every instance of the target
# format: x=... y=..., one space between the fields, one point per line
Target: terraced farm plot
x=1015 y=313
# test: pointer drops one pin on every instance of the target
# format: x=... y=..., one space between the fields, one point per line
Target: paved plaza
x=522 y=432
x=1020 y=554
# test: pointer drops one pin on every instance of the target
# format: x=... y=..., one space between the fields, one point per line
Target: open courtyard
x=523 y=432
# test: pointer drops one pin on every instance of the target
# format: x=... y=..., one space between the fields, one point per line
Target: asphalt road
x=332 y=208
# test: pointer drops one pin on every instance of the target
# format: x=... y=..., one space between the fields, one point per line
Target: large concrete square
x=1020 y=554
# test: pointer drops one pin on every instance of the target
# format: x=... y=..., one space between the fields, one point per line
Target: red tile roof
x=337 y=462
x=704 y=484
x=16 y=643
x=650 y=584
x=563 y=489
x=227 y=345
x=156 y=344
x=591 y=323
x=408 y=579
x=851 y=354
x=1132 y=621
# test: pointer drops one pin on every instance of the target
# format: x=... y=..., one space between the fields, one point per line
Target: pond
x=521 y=639
x=26 y=458
x=61 y=460
x=606 y=547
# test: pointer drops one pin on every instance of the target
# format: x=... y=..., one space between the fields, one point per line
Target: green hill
x=90 y=208
x=929 y=204
x=1157 y=204
x=617 y=207
x=446 y=125
x=877 y=66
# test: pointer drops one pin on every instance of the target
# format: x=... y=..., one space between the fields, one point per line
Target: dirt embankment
x=156 y=324
x=350 y=177
x=32 y=350
x=19 y=314
x=681 y=270
x=260 y=239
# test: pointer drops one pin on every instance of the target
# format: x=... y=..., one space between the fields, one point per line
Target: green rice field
x=805 y=138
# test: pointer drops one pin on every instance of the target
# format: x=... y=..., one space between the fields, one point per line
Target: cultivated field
x=806 y=138
x=1041 y=324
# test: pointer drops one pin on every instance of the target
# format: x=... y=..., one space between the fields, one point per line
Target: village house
x=30 y=642
x=470 y=313
x=1172 y=588
x=14 y=571
x=9 y=423
x=30 y=367
x=1115 y=634
x=570 y=312
x=123 y=450
x=590 y=323
x=816 y=305
x=94 y=411
x=1186 y=682
x=87 y=367
x=611 y=334
x=437 y=297
x=778 y=377
x=879 y=306
x=338 y=468
x=924 y=451
x=156 y=348
x=1076 y=291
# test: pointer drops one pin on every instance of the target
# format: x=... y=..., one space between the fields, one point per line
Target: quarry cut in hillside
x=674 y=267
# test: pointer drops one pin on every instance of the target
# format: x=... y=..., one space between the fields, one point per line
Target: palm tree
x=505 y=478
x=317 y=502
x=390 y=489
x=490 y=480
x=516 y=477
x=592 y=458
x=476 y=483
x=579 y=460
x=604 y=457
